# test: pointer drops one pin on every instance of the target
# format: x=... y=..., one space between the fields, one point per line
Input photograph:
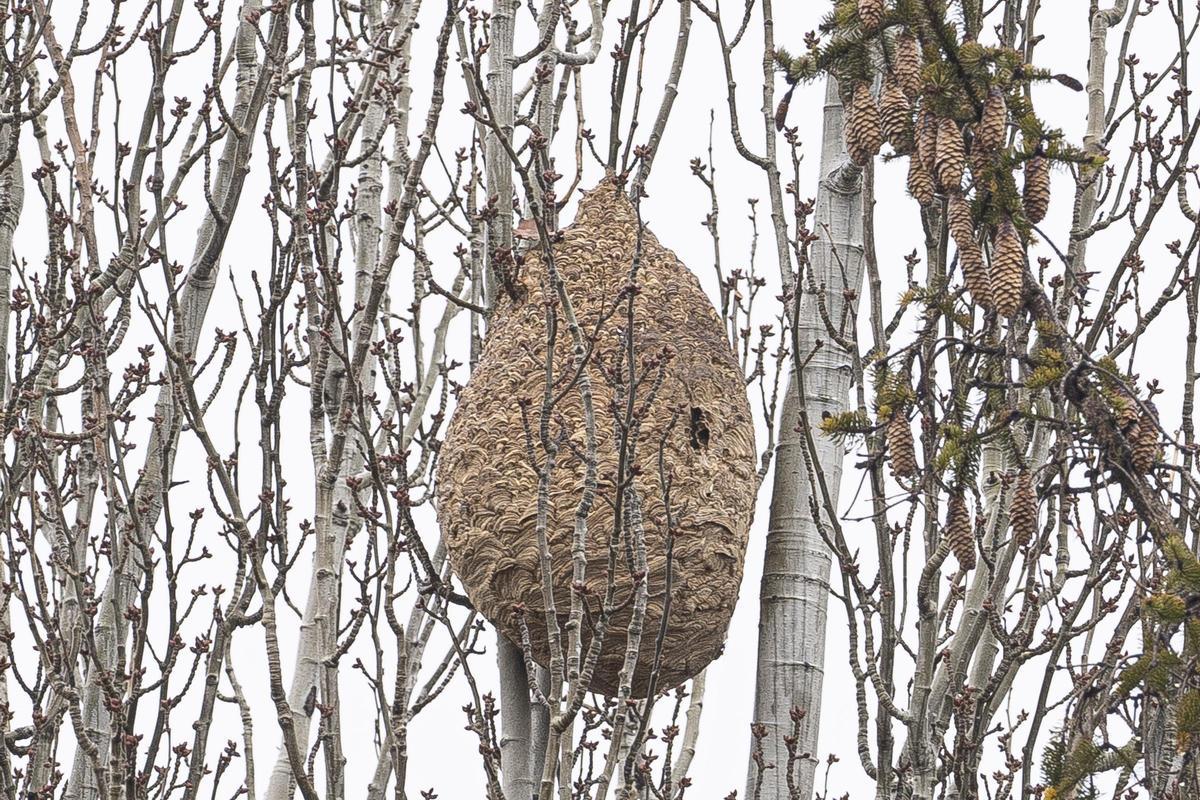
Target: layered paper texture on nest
x=700 y=421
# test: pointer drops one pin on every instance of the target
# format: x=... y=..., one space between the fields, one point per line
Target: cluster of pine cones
x=1022 y=519
x=1023 y=503
x=868 y=123
x=939 y=158
x=942 y=153
x=959 y=531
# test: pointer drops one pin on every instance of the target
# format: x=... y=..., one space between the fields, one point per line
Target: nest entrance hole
x=698 y=432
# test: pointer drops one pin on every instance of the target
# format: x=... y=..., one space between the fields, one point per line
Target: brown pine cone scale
x=958 y=532
x=1036 y=195
x=1023 y=511
x=1008 y=270
x=862 y=128
x=951 y=155
x=900 y=445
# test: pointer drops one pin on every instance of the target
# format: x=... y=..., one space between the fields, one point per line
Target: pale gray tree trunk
x=1099 y=23
x=516 y=718
x=12 y=200
x=318 y=627
x=111 y=627
x=516 y=712
x=795 y=584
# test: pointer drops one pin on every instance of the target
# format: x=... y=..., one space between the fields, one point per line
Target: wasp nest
x=699 y=422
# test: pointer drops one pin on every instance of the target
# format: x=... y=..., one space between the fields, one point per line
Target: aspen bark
x=795 y=584
x=516 y=713
x=318 y=628
x=516 y=722
x=12 y=199
x=1099 y=23
x=111 y=627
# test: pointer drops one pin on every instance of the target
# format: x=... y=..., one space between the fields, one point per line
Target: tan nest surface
x=488 y=488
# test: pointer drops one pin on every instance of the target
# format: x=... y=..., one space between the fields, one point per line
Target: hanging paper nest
x=699 y=421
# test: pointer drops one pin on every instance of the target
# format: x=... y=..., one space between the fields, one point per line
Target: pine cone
x=1008 y=270
x=962 y=229
x=1145 y=441
x=927 y=140
x=900 y=445
x=907 y=64
x=951 y=155
x=920 y=182
x=959 y=219
x=870 y=14
x=975 y=274
x=959 y=533
x=895 y=116
x=981 y=161
x=1037 y=188
x=989 y=134
x=781 y=111
x=1127 y=416
x=1023 y=511
x=862 y=134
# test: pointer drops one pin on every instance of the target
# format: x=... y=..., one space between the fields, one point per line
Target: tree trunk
x=795 y=583
x=12 y=200
x=111 y=626
x=318 y=628
x=516 y=722
x=516 y=713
